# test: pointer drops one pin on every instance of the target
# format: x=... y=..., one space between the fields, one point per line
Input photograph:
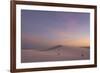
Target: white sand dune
x=59 y=54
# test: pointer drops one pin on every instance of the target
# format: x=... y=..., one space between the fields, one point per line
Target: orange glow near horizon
x=81 y=42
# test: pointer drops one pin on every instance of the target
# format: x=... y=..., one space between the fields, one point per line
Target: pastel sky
x=42 y=29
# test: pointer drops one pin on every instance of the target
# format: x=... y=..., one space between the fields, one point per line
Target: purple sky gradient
x=42 y=29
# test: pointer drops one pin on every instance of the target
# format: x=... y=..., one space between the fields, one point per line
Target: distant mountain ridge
x=85 y=47
x=54 y=47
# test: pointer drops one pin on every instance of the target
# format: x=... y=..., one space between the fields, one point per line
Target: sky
x=42 y=29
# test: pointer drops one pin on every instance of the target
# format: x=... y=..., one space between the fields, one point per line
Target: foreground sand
x=59 y=54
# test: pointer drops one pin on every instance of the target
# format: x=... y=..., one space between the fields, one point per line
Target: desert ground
x=60 y=53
